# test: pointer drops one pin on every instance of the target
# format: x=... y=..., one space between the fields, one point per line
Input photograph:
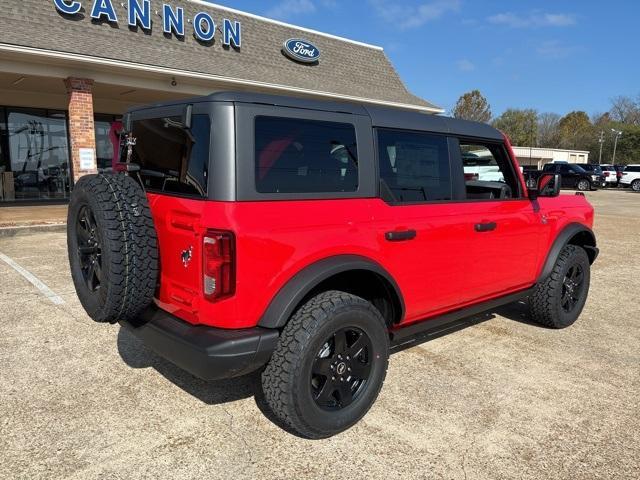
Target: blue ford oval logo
x=301 y=50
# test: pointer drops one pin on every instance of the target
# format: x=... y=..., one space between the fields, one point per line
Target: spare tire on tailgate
x=113 y=248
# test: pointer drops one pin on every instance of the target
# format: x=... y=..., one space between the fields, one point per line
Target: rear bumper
x=206 y=352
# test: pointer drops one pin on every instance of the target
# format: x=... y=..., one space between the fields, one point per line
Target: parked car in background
x=610 y=174
x=607 y=171
x=479 y=166
x=573 y=176
x=631 y=177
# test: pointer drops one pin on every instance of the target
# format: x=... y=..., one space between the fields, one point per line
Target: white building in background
x=537 y=157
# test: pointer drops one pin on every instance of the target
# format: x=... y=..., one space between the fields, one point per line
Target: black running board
x=451 y=320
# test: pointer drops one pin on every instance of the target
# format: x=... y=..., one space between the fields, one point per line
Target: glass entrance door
x=38 y=151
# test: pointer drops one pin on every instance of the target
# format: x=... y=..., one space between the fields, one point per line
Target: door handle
x=400 y=236
x=486 y=227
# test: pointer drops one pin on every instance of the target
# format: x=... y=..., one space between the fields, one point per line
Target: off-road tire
x=584 y=185
x=545 y=304
x=286 y=381
x=128 y=253
x=635 y=185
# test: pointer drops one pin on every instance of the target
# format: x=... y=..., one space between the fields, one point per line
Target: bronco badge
x=186 y=256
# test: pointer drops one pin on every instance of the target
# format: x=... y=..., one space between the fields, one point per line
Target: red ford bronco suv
x=309 y=238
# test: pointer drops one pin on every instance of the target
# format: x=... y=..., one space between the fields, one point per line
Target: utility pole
x=617 y=134
x=601 y=141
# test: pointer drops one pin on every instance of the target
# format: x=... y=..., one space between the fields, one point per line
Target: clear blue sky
x=554 y=56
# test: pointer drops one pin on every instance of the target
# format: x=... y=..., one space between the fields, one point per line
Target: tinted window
x=4 y=156
x=414 y=167
x=107 y=128
x=172 y=159
x=38 y=154
x=632 y=169
x=488 y=172
x=305 y=156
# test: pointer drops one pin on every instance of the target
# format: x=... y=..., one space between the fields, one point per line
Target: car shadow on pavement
x=136 y=355
x=518 y=312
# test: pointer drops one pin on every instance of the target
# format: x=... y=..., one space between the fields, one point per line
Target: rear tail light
x=606 y=174
x=471 y=176
x=219 y=272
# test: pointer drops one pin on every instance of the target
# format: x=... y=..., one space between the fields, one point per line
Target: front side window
x=173 y=159
x=305 y=156
x=414 y=167
x=488 y=172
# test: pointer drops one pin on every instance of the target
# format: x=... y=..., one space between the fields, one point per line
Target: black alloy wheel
x=341 y=369
x=329 y=365
x=112 y=247
x=558 y=301
x=89 y=248
x=572 y=287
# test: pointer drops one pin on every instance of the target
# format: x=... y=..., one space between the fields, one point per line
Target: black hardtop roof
x=384 y=117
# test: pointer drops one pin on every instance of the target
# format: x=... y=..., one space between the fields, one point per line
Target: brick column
x=81 y=127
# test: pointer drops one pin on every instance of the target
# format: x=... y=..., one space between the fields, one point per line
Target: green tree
x=576 y=131
x=628 y=150
x=520 y=125
x=473 y=106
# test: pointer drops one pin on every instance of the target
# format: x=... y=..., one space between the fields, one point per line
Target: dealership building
x=71 y=68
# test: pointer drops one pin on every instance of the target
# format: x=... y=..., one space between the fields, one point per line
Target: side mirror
x=548 y=185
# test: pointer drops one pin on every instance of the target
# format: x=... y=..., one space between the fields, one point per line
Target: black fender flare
x=564 y=238
x=294 y=291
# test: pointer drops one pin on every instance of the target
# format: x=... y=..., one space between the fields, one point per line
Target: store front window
x=35 y=163
x=108 y=128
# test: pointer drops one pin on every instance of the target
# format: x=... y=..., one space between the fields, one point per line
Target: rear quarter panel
x=274 y=241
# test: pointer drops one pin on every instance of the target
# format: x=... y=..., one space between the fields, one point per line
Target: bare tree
x=548 y=132
x=473 y=106
x=625 y=110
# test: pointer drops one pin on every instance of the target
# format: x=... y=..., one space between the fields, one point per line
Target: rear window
x=305 y=156
x=172 y=159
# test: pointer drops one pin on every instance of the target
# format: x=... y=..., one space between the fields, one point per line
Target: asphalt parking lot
x=501 y=399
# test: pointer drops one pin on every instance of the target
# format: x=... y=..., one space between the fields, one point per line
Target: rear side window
x=414 y=167
x=305 y=156
x=172 y=159
x=634 y=168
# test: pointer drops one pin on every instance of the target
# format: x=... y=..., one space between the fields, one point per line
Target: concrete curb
x=31 y=229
